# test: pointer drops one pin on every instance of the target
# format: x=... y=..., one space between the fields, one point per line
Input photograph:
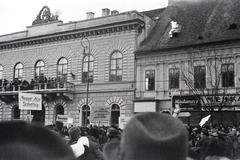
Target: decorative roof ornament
x=176 y=28
x=45 y=16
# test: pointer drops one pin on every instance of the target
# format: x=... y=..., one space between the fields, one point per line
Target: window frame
x=115 y=62
x=86 y=61
x=228 y=75
x=174 y=77
x=62 y=76
x=1 y=72
x=18 y=71
x=39 y=71
x=199 y=77
x=150 y=80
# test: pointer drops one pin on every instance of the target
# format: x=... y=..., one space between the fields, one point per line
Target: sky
x=16 y=15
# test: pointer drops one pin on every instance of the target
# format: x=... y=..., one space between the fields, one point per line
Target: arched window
x=18 y=72
x=116 y=67
x=39 y=70
x=115 y=113
x=59 y=110
x=85 y=69
x=62 y=70
x=1 y=72
x=15 y=112
x=1 y=76
x=85 y=114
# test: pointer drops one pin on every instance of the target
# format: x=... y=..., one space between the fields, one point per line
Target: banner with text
x=100 y=114
x=30 y=101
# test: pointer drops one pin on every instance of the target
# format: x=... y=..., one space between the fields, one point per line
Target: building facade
x=84 y=70
x=191 y=60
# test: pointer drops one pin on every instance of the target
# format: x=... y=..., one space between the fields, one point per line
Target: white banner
x=62 y=118
x=100 y=114
x=30 y=101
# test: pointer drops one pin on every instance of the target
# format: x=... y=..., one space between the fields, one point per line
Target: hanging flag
x=204 y=120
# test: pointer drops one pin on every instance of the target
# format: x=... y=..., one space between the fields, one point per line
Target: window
x=62 y=70
x=228 y=75
x=18 y=72
x=1 y=75
x=199 y=77
x=16 y=112
x=115 y=113
x=39 y=70
x=150 y=80
x=59 y=111
x=116 y=67
x=85 y=69
x=85 y=115
x=173 y=78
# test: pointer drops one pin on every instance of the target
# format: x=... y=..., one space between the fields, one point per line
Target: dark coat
x=94 y=149
x=86 y=155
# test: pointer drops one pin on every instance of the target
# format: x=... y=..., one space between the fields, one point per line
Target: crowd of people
x=146 y=136
x=36 y=83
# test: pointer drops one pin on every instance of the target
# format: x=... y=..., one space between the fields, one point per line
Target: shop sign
x=186 y=100
x=187 y=103
x=30 y=101
x=184 y=114
x=224 y=100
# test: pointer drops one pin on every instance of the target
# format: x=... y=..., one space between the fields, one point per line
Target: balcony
x=49 y=90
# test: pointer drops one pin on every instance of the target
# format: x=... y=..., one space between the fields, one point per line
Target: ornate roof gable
x=45 y=16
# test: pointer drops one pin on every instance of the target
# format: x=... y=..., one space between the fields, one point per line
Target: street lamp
x=86 y=48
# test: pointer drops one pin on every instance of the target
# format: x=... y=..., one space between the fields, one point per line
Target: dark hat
x=24 y=141
x=150 y=136
x=74 y=133
x=112 y=132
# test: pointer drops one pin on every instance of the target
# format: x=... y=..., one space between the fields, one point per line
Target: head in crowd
x=74 y=133
x=113 y=133
x=24 y=141
x=217 y=149
x=150 y=136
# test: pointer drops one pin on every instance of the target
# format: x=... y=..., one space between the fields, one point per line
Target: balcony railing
x=24 y=86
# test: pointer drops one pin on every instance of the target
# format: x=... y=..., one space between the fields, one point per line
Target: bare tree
x=208 y=76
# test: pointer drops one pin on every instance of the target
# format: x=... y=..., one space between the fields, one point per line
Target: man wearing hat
x=150 y=136
x=75 y=134
x=113 y=135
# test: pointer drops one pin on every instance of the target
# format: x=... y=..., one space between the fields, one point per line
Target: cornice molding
x=71 y=35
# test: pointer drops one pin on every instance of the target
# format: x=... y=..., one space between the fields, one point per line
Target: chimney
x=114 y=12
x=90 y=15
x=105 y=12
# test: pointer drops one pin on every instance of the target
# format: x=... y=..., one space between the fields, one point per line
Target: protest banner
x=30 y=101
x=123 y=120
x=100 y=114
x=62 y=118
